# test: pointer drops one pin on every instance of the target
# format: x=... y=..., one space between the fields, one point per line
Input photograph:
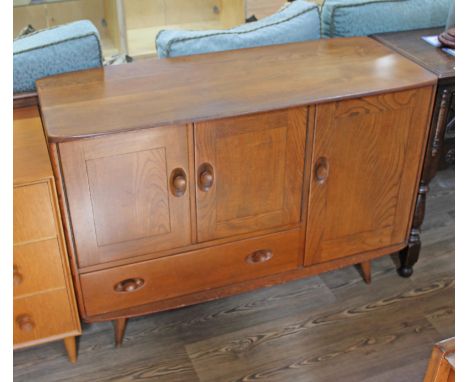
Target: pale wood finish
x=119 y=194
x=78 y=105
x=145 y=18
x=70 y=347
x=441 y=367
x=49 y=313
x=32 y=262
x=30 y=157
x=33 y=217
x=258 y=166
x=44 y=303
x=372 y=148
x=176 y=275
x=265 y=8
x=51 y=14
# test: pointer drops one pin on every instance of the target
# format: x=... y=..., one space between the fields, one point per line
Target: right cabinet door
x=366 y=161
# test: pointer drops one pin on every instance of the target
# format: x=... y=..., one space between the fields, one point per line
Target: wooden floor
x=328 y=328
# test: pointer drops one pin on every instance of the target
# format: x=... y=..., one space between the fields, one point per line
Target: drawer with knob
x=172 y=276
x=37 y=267
x=42 y=315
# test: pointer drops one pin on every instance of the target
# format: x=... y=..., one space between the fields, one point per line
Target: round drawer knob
x=129 y=285
x=259 y=256
x=25 y=322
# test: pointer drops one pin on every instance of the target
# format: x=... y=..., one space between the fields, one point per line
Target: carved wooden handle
x=17 y=276
x=25 y=322
x=178 y=182
x=259 y=256
x=205 y=177
x=321 y=170
x=129 y=285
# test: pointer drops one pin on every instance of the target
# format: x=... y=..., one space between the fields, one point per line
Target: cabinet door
x=366 y=161
x=249 y=172
x=128 y=194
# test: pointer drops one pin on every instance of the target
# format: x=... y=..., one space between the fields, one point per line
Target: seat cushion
x=297 y=21
x=60 y=49
x=364 y=17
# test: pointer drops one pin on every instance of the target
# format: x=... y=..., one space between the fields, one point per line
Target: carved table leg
x=119 y=330
x=366 y=270
x=409 y=255
x=70 y=346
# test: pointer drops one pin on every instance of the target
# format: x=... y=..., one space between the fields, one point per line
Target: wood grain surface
x=30 y=158
x=257 y=162
x=362 y=194
x=332 y=327
x=211 y=86
x=411 y=45
x=119 y=194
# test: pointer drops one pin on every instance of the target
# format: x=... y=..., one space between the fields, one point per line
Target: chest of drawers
x=189 y=179
x=44 y=302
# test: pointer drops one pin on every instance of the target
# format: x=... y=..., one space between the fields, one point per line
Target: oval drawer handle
x=178 y=182
x=259 y=256
x=205 y=177
x=321 y=170
x=25 y=322
x=129 y=285
x=17 y=276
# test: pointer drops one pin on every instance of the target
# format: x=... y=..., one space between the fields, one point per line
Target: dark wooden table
x=441 y=148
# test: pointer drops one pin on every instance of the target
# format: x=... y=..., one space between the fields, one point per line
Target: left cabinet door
x=128 y=193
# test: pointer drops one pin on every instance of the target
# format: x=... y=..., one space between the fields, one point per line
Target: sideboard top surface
x=31 y=161
x=158 y=92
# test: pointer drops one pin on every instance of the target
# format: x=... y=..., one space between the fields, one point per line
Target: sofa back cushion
x=345 y=18
x=60 y=49
x=297 y=21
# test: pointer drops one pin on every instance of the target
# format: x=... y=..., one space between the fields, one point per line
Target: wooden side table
x=441 y=367
x=410 y=45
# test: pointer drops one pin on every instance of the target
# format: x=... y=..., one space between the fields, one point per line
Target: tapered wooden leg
x=366 y=270
x=70 y=346
x=119 y=330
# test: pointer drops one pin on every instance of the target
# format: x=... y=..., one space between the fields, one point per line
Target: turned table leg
x=366 y=269
x=410 y=254
x=119 y=330
x=70 y=346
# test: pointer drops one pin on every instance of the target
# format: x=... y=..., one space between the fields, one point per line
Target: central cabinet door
x=249 y=173
x=366 y=158
x=128 y=193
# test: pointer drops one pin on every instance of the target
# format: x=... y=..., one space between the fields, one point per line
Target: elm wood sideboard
x=44 y=306
x=184 y=180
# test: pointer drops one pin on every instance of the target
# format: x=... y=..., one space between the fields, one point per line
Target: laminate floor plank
x=328 y=328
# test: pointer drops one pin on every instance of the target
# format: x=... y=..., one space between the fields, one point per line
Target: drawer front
x=37 y=267
x=172 y=276
x=41 y=316
x=33 y=217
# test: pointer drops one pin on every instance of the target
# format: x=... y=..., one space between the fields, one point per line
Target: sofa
x=303 y=20
x=76 y=46
x=65 y=48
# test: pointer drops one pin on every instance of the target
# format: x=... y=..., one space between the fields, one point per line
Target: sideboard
x=189 y=179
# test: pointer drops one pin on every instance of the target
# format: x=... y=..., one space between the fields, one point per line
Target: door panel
x=122 y=193
x=255 y=167
x=366 y=161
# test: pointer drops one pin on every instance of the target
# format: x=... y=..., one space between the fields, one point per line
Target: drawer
x=37 y=267
x=33 y=216
x=172 y=276
x=41 y=316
